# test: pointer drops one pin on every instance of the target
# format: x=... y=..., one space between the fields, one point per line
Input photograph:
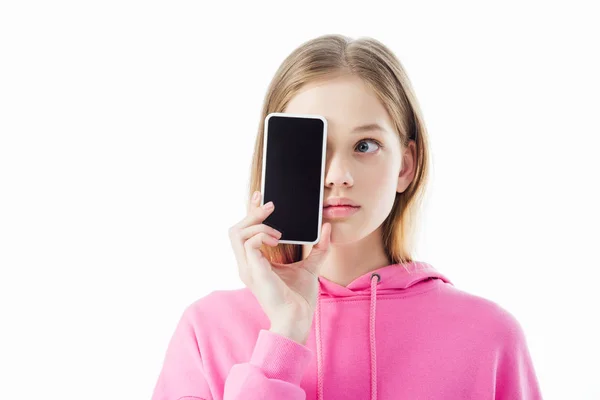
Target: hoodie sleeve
x=515 y=374
x=274 y=371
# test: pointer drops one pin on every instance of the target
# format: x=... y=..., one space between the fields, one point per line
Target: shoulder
x=225 y=319
x=220 y=301
x=482 y=314
x=224 y=307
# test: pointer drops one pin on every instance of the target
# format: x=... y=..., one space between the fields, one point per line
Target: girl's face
x=361 y=164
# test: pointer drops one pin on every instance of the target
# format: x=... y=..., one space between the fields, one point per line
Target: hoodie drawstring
x=372 y=341
x=372 y=336
x=318 y=332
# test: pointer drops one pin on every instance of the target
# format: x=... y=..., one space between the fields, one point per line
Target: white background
x=126 y=134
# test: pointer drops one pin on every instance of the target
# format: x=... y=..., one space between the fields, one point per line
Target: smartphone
x=293 y=171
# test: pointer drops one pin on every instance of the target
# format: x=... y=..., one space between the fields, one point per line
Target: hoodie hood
x=390 y=278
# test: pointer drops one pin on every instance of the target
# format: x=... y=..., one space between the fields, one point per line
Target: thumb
x=318 y=251
x=324 y=240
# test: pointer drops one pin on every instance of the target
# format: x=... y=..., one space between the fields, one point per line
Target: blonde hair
x=331 y=55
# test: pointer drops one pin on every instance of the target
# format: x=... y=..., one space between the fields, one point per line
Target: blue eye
x=370 y=140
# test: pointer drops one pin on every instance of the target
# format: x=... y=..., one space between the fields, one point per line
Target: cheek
x=380 y=193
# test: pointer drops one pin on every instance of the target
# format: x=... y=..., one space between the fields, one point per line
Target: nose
x=338 y=174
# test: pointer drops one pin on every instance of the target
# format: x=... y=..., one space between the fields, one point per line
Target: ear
x=409 y=165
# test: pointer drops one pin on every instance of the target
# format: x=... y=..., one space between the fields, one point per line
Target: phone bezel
x=324 y=152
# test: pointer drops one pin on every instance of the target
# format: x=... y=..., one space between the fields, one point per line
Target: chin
x=342 y=233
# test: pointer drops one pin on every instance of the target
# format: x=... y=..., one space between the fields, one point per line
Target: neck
x=347 y=261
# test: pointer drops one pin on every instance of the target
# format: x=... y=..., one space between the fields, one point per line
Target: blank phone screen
x=293 y=166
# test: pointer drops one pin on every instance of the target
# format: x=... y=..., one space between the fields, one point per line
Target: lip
x=333 y=212
x=339 y=201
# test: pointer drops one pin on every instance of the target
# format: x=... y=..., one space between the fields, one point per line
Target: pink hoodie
x=402 y=331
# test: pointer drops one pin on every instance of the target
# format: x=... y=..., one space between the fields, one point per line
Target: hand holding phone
x=287 y=293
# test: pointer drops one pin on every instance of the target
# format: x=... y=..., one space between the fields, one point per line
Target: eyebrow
x=367 y=128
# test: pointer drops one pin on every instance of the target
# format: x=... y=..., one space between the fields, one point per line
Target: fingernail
x=255 y=196
x=268 y=206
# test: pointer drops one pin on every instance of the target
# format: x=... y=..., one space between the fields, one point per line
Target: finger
x=256 y=215
x=263 y=282
x=250 y=231
x=257 y=263
x=246 y=262
x=255 y=200
x=273 y=235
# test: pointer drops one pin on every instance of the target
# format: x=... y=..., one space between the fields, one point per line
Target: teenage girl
x=355 y=316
